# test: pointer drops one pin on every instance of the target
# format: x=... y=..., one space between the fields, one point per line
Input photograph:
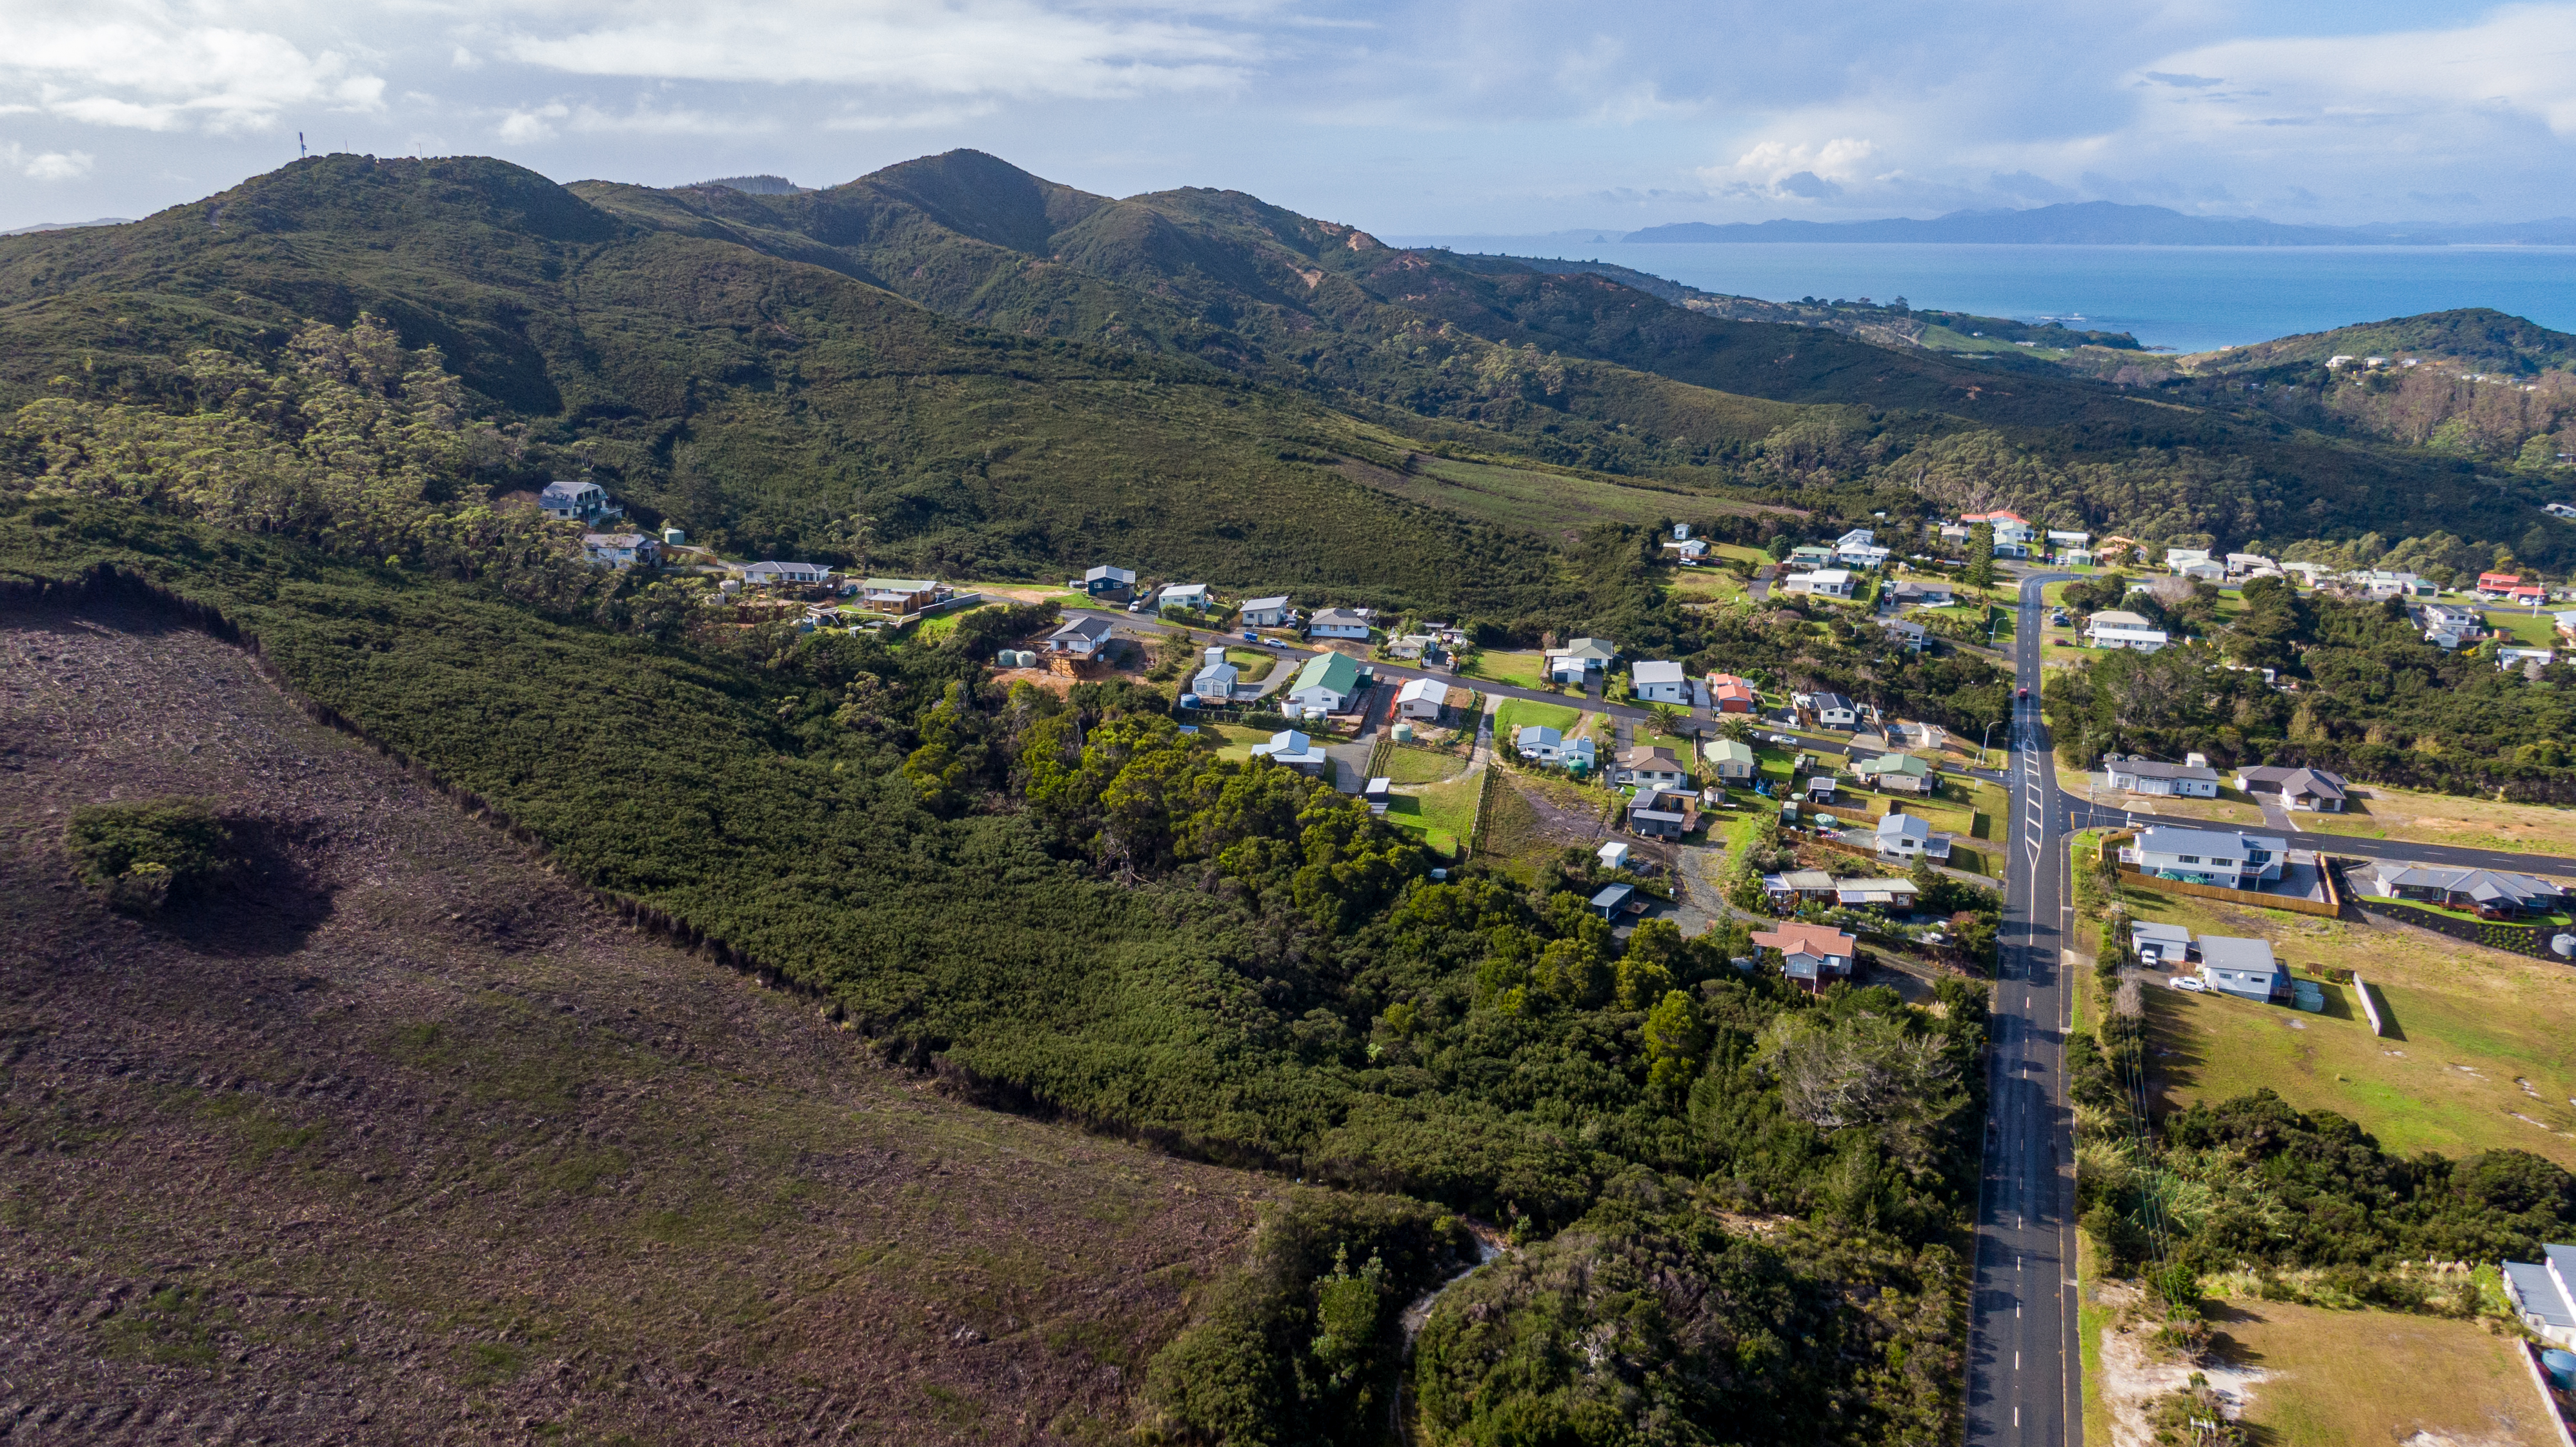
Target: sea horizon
x=2178 y=298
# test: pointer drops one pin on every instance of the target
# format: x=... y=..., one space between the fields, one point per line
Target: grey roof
x=2253 y=957
x=1656 y=671
x=1086 y=627
x=2296 y=780
x=1613 y=896
x=1337 y=615
x=1904 y=826
x=2150 y=769
x=2540 y=1294
x=1826 y=701
x=566 y=490
x=2166 y=839
x=2483 y=884
x=2147 y=929
x=1799 y=879
x=1265 y=605
x=1109 y=574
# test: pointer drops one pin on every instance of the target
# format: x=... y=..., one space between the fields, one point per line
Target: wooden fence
x=2331 y=906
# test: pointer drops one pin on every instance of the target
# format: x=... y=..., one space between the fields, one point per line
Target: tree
x=1981 y=557
x=1664 y=718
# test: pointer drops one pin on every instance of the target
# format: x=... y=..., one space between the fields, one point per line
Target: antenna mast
x=300 y=151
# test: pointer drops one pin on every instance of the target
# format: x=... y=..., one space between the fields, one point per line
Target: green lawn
x=2483 y=1055
x=1707 y=585
x=2521 y=629
x=1522 y=670
x=1517 y=713
x=2333 y=1378
x=1443 y=814
x=1237 y=740
x=1422 y=766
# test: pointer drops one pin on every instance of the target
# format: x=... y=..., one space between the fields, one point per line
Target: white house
x=1081 y=638
x=2159 y=943
x=1924 y=593
x=2011 y=528
x=1613 y=855
x=2060 y=538
x=575 y=501
x=1860 y=549
x=1659 y=682
x=2137 y=640
x=2241 y=565
x=1427 y=698
x=2242 y=967
x=1649 y=768
x=1216 y=678
x=1832 y=710
x=1293 y=749
x=1339 y=623
x=2543 y=1293
x=1325 y=684
x=1541 y=744
x=766 y=574
x=1268 y=613
x=2225 y=858
x=1909 y=836
x=1578 y=660
x=1823 y=583
x=1810 y=953
x=2148 y=776
x=2517 y=657
x=2177 y=559
x=2313 y=790
x=1193 y=596
x=620 y=550
x=1729 y=759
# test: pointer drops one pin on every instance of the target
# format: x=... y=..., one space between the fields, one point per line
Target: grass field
x=2483 y=1053
x=1521 y=670
x=1707 y=585
x=2334 y=1378
x=1517 y=713
x=1238 y=740
x=1443 y=814
x=1536 y=815
x=2230 y=807
x=2379 y=812
x=1521 y=497
x=932 y=629
x=2521 y=629
x=2090 y=1318
x=1423 y=766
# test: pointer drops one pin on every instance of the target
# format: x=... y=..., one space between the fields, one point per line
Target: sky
x=1407 y=117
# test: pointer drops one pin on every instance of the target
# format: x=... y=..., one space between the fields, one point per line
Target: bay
x=2188 y=298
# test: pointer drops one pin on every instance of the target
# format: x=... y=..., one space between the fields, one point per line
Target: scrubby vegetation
x=142 y=856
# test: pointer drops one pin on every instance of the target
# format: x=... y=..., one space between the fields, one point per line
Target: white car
x=2194 y=983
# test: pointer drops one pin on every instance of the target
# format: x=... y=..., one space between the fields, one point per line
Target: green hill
x=2473 y=336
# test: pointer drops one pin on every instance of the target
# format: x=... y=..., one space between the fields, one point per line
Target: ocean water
x=2189 y=298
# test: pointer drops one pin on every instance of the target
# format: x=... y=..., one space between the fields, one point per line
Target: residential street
x=2023 y=1388
x=2083 y=813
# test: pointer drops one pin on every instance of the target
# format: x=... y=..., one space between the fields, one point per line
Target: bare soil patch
x=405 y=1140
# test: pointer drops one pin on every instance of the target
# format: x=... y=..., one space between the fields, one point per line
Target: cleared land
x=1518 y=713
x=2380 y=812
x=2484 y=1053
x=402 y=1140
x=2335 y=1378
x=1521 y=670
x=1708 y=585
x=1423 y=766
x=1443 y=814
x=1537 y=816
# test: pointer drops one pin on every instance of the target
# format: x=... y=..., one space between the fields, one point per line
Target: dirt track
x=402 y=1140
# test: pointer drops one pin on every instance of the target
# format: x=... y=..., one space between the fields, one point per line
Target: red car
x=2025 y=693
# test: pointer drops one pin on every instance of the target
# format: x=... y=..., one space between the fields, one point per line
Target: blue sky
x=1404 y=116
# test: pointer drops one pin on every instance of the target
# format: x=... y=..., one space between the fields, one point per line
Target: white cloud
x=925 y=118
x=46 y=165
x=2514 y=63
x=152 y=65
x=521 y=127
x=1782 y=170
x=1013 y=48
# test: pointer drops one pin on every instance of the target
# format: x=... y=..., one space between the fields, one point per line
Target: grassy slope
x=2337 y=1377
x=412 y=1123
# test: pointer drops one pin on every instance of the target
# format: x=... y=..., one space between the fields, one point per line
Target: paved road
x=2023 y=1387
x=2083 y=813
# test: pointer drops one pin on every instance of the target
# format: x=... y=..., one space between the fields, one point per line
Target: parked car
x=1250 y=637
x=2193 y=983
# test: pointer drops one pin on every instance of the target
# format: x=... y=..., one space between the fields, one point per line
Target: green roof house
x=1730 y=759
x=1325 y=684
x=1895 y=773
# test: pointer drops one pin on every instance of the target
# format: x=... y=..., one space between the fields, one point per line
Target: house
x=1897 y=774
x=1081 y=639
x=1833 y=711
x=1858 y=549
x=1339 y=623
x=2565 y=624
x=1798 y=886
x=2136 y=640
x=902 y=597
x=2120 y=618
x=1658 y=813
x=574 y=501
x=620 y=550
x=1268 y=613
x=1729 y=759
x=2518 y=657
x=2314 y=790
x=1325 y=685
x=2226 y=858
x=1577 y=661
x=1423 y=646
x=2244 y=565
x=1810 y=953
x=2061 y=538
x=1730 y=694
x=1294 y=750
x=2075 y=557
x=1649 y=767
x=2529 y=595
x=2207 y=571
x=2543 y=1293
x=1427 y=699
x=1895 y=895
x=1613 y=855
x=762 y=575
x=1693 y=552
x=1106 y=582
x=2147 y=776
x=2486 y=893
x=2159 y=944
x=2010 y=528
x=1659 y=682
x=1613 y=899
x=1822 y=583
x=1541 y=744
x=2243 y=968
x=2177 y=559
x=1908 y=837
x=2446 y=626
x=1807 y=556
x=1193 y=596
x=2496 y=585
x=1914 y=593
x=1216 y=678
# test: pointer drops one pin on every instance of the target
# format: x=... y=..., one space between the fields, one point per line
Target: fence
x=2369 y=1005
x=2520 y=939
x=2330 y=906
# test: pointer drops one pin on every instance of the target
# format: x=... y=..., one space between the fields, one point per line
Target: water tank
x=729 y=586
x=2561 y=1367
x=1403 y=733
x=2563 y=946
x=1189 y=700
x=1215 y=655
x=674 y=537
